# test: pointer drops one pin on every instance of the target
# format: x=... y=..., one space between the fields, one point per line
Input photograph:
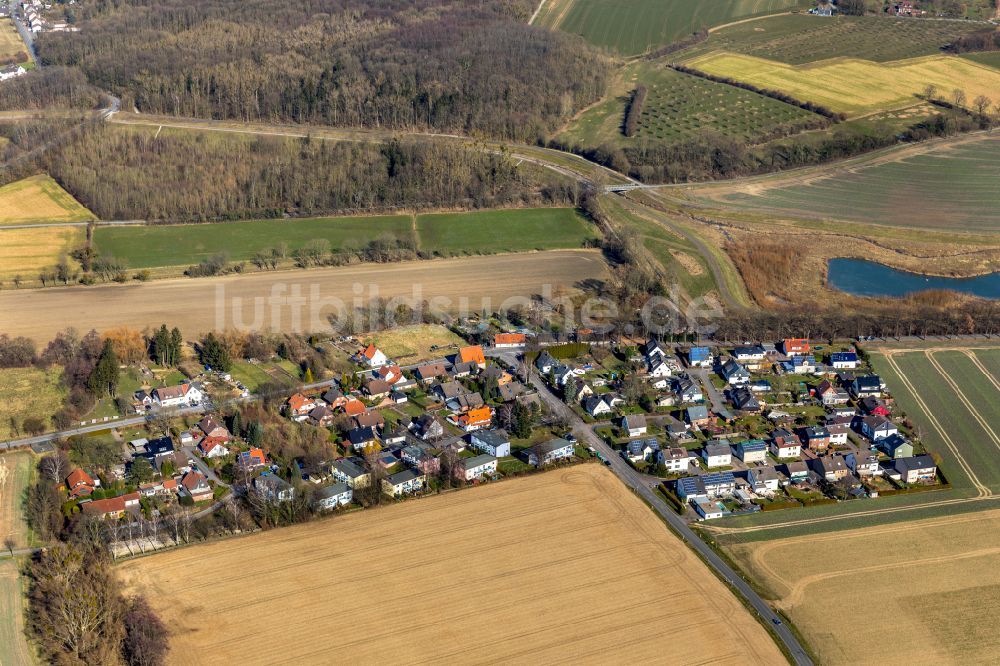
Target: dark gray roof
x=338 y=488
x=492 y=437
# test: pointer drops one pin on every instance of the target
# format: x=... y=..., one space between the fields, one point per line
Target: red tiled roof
x=473 y=354
x=509 y=338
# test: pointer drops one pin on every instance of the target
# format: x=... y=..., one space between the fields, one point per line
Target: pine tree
x=176 y=342
x=237 y=424
x=214 y=355
x=308 y=376
x=103 y=379
x=255 y=434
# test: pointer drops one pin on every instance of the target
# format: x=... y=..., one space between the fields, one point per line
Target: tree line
x=980 y=40
x=634 y=111
x=178 y=176
x=446 y=65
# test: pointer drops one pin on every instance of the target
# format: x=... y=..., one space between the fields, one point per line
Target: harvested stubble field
x=15 y=477
x=933 y=584
x=513 y=572
x=26 y=252
x=204 y=304
x=631 y=27
x=14 y=649
x=944 y=185
x=854 y=86
x=800 y=38
x=39 y=199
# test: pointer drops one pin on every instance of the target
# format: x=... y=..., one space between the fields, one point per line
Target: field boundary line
x=982 y=368
x=984 y=491
x=965 y=400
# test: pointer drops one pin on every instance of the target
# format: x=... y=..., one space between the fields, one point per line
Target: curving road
x=641 y=487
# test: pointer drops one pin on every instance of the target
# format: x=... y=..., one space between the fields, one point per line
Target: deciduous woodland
x=446 y=65
x=124 y=174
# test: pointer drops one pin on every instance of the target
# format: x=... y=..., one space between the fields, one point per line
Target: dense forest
x=175 y=176
x=50 y=88
x=447 y=65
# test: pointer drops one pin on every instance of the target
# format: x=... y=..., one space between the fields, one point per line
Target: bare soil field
x=920 y=592
x=566 y=566
x=200 y=305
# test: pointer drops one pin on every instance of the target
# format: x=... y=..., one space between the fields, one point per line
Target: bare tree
x=930 y=90
x=982 y=103
x=958 y=97
x=55 y=467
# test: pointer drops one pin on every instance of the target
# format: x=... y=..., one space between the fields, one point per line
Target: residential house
x=666 y=400
x=354 y=407
x=11 y=71
x=839 y=429
x=430 y=372
x=801 y=365
x=549 y=452
x=896 y=446
x=916 y=468
x=420 y=458
x=362 y=439
x=274 y=488
x=817 y=438
x=635 y=424
x=712 y=485
x=658 y=368
x=153 y=449
x=562 y=373
x=676 y=459
x=390 y=374
x=427 y=427
x=474 y=419
x=795 y=346
x=760 y=386
x=785 y=444
x=734 y=373
x=377 y=388
x=195 y=485
x=844 y=360
x=494 y=442
x=797 y=472
x=166 y=487
x=372 y=357
x=545 y=363
x=298 y=406
x=717 y=453
x=752 y=451
x=651 y=349
x=745 y=401
x=351 y=473
x=405 y=482
x=472 y=354
x=330 y=497
x=830 y=395
x=639 y=450
x=700 y=357
x=867 y=386
x=322 y=417
x=688 y=390
x=182 y=395
x=697 y=416
x=873 y=405
x=370 y=419
x=214 y=439
x=113 y=507
x=81 y=484
x=876 y=427
x=763 y=480
x=511 y=391
x=832 y=468
x=212 y=448
x=509 y=340
x=596 y=405
x=751 y=357
x=863 y=464
x=463 y=369
x=252 y=459
x=477 y=467
x=708 y=510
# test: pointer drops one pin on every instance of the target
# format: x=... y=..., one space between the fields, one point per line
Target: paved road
x=714 y=395
x=642 y=488
x=29 y=39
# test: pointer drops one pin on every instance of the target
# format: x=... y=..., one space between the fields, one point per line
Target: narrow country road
x=641 y=487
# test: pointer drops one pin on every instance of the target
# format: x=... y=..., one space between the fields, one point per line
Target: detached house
x=428 y=373
x=917 y=468
x=698 y=416
x=635 y=425
x=509 y=340
x=182 y=395
x=734 y=373
x=195 y=486
x=863 y=464
x=867 y=386
x=372 y=357
x=752 y=451
x=299 y=406
x=113 y=507
x=717 y=453
x=817 y=438
x=405 y=482
x=427 y=427
x=830 y=395
x=80 y=484
x=474 y=419
x=832 y=468
x=473 y=354
x=549 y=452
x=688 y=390
x=545 y=363
x=330 y=497
x=844 y=360
x=876 y=427
x=785 y=444
x=216 y=436
x=752 y=357
x=423 y=460
x=471 y=469
x=795 y=346
x=676 y=460
x=596 y=405
x=896 y=446
x=274 y=488
x=494 y=442
x=351 y=473
x=700 y=357
x=763 y=480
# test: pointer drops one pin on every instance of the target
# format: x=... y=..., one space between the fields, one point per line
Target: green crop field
x=951 y=186
x=486 y=232
x=631 y=27
x=801 y=38
x=492 y=231
x=989 y=58
x=680 y=106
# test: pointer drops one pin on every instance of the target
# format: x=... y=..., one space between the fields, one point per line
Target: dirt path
x=746 y=20
x=290 y=300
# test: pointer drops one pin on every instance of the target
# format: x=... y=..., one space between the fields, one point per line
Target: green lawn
x=803 y=38
x=154 y=246
x=254 y=374
x=489 y=232
x=630 y=27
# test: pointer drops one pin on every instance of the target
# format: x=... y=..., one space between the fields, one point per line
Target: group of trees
x=49 y=88
x=447 y=65
x=634 y=111
x=980 y=40
x=191 y=177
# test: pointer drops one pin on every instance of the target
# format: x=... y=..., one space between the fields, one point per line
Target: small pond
x=868 y=278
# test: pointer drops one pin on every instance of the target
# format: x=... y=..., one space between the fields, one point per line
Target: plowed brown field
x=566 y=566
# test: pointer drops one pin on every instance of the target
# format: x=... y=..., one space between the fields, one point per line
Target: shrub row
x=634 y=110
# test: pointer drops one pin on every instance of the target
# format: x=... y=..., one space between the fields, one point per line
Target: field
x=854 y=86
x=554 y=567
x=631 y=27
x=254 y=374
x=492 y=231
x=11 y=45
x=412 y=344
x=488 y=232
x=39 y=199
x=933 y=585
x=14 y=650
x=27 y=251
x=946 y=186
x=16 y=383
x=678 y=107
x=801 y=38
x=15 y=477
x=199 y=305
x=989 y=58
